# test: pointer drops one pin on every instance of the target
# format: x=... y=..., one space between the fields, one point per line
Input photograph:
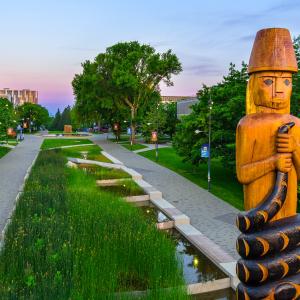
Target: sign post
x=154 y=138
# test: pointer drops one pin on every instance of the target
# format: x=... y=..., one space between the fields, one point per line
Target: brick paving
x=13 y=168
x=209 y=214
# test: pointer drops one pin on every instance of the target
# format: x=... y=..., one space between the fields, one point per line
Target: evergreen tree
x=56 y=121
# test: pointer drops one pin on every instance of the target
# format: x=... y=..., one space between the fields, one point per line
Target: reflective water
x=153 y=214
x=196 y=266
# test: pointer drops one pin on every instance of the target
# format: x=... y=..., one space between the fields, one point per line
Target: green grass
x=134 y=146
x=70 y=240
x=223 y=182
x=93 y=152
x=101 y=173
x=58 y=142
x=3 y=151
x=127 y=188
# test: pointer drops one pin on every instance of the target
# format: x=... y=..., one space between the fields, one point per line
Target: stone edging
x=182 y=223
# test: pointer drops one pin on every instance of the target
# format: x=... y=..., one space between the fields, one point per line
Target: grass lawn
x=134 y=146
x=58 y=142
x=223 y=182
x=69 y=239
x=3 y=151
x=93 y=152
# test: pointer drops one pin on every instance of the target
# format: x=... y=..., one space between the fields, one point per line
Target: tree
x=155 y=120
x=228 y=108
x=65 y=118
x=163 y=118
x=56 y=121
x=124 y=79
x=34 y=115
x=172 y=120
x=136 y=72
x=6 y=115
x=296 y=81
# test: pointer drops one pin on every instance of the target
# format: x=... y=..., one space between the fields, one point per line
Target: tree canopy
x=228 y=107
x=7 y=116
x=123 y=80
x=33 y=114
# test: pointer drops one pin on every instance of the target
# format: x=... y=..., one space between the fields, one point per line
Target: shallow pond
x=153 y=214
x=196 y=266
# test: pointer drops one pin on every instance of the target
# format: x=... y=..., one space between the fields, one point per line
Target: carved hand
x=283 y=162
x=285 y=143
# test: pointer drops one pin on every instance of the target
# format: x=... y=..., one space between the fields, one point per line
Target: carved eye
x=268 y=82
x=287 y=82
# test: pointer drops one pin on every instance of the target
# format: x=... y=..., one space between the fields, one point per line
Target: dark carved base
x=286 y=289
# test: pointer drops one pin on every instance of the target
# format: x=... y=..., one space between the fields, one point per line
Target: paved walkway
x=210 y=215
x=13 y=168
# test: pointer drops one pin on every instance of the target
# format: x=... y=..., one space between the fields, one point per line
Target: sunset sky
x=43 y=42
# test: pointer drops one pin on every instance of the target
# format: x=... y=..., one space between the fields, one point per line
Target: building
x=168 y=99
x=19 y=97
x=184 y=107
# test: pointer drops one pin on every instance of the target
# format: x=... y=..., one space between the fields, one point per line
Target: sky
x=44 y=42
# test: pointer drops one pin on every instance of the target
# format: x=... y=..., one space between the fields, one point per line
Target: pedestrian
x=22 y=134
x=19 y=129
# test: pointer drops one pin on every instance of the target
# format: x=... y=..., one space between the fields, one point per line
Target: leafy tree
x=125 y=79
x=228 y=108
x=155 y=120
x=34 y=114
x=296 y=81
x=136 y=72
x=7 y=117
x=163 y=118
x=172 y=120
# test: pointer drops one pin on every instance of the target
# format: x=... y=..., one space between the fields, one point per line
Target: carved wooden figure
x=268 y=166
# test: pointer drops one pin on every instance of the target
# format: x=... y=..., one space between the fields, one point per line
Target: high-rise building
x=19 y=97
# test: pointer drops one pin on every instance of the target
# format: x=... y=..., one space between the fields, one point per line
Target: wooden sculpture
x=268 y=166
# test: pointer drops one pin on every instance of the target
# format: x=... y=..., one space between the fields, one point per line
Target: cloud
x=205 y=68
x=247 y=38
x=284 y=6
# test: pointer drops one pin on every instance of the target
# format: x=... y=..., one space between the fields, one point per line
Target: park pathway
x=13 y=168
x=209 y=214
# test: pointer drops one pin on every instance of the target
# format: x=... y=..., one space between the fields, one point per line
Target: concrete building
x=168 y=99
x=184 y=107
x=19 y=97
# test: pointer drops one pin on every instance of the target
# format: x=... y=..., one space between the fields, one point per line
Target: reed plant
x=69 y=239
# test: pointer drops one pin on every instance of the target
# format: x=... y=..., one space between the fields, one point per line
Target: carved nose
x=278 y=86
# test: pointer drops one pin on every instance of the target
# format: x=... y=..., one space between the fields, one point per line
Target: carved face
x=272 y=89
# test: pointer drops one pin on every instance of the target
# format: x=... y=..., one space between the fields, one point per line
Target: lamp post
x=210 y=104
x=205 y=152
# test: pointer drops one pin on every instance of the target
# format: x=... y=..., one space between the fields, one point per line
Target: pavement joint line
x=69 y=146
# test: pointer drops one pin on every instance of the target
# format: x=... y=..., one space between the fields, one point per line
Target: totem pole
x=268 y=166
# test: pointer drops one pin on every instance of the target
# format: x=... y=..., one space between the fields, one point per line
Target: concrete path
x=13 y=168
x=210 y=215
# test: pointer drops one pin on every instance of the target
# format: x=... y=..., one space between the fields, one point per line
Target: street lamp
x=205 y=152
x=210 y=104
